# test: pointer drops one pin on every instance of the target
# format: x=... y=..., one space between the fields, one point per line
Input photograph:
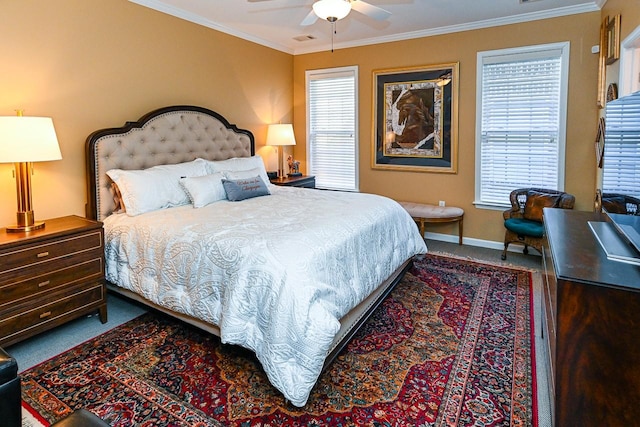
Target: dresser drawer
x=28 y=320
x=34 y=254
x=50 y=277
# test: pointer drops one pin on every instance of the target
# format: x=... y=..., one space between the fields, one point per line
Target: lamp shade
x=28 y=139
x=280 y=134
x=332 y=10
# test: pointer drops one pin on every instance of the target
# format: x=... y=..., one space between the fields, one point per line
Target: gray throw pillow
x=244 y=188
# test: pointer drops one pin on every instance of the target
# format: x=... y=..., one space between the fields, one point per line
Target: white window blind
x=521 y=117
x=621 y=163
x=331 y=128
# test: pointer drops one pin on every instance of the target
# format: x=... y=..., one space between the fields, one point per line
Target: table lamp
x=24 y=140
x=279 y=135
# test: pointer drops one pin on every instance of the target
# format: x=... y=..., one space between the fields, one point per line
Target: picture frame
x=602 y=64
x=613 y=40
x=415 y=118
x=599 y=145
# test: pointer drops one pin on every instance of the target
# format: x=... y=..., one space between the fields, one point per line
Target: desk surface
x=579 y=257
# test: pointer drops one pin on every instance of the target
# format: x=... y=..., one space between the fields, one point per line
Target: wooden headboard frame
x=168 y=135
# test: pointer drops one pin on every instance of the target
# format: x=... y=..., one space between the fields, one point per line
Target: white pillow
x=203 y=190
x=239 y=164
x=250 y=173
x=155 y=188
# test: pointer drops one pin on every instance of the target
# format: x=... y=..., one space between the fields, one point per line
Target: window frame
x=506 y=56
x=318 y=74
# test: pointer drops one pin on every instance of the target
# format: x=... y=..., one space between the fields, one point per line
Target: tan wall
x=581 y=30
x=95 y=64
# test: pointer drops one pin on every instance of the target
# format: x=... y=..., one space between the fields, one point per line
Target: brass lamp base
x=26 y=223
x=25 y=228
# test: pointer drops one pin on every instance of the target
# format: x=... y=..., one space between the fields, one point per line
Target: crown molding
x=516 y=19
x=159 y=6
x=197 y=19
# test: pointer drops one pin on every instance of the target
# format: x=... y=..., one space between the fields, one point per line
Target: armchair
x=621 y=204
x=524 y=222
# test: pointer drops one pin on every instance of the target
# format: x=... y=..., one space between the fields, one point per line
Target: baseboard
x=489 y=244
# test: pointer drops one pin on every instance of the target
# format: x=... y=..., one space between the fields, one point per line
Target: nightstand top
x=292 y=180
x=52 y=228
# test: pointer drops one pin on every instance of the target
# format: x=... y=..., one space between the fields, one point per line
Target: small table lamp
x=279 y=135
x=24 y=140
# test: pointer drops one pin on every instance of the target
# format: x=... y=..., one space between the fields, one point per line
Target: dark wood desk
x=591 y=322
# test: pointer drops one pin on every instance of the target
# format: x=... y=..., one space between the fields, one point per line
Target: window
x=621 y=163
x=521 y=121
x=332 y=151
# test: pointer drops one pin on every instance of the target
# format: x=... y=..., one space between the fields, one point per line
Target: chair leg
x=526 y=250
x=504 y=252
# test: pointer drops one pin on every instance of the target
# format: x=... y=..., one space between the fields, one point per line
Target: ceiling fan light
x=332 y=10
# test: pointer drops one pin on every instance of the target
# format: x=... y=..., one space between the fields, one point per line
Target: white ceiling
x=276 y=23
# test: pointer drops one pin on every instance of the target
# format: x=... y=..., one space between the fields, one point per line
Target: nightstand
x=306 y=181
x=50 y=276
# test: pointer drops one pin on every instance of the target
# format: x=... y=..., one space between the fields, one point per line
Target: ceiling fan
x=334 y=10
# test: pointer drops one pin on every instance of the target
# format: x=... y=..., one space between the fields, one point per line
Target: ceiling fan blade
x=256 y=1
x=370 y=10
x=311 y=18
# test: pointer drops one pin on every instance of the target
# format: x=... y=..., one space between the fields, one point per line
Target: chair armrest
x=566 y=201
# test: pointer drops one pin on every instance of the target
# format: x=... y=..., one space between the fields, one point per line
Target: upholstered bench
x=424 y=213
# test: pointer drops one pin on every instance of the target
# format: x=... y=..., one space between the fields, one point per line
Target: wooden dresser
x=591 y=322
x=50 y=276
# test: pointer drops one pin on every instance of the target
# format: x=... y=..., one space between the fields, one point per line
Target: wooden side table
x=50 y=276
x=306 y=181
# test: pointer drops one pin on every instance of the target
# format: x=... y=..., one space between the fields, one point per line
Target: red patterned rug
x=450 y=346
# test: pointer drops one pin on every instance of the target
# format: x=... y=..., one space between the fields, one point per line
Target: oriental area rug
x=451 y=346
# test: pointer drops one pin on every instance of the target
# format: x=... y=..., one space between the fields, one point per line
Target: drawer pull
x=43 y=284
x=45 y=314
x=42 y=254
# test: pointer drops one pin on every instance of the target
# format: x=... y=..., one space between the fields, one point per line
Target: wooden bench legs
x=459 y=219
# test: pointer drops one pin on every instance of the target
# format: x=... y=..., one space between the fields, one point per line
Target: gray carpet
x=42 y=347
x=46 y=345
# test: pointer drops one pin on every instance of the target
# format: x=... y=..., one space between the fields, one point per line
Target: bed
x=289 y=274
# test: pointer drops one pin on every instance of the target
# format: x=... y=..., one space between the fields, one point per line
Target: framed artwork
x=600 y=142
x=602 y=63
x=613 y=40
x=415 y=118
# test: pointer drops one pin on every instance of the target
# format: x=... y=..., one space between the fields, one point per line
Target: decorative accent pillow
x=155 y=188
x=238 y=164
x=203 y=190
x=245 y=188
x=535 y=203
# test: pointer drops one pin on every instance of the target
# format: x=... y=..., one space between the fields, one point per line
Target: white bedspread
x=275 y=273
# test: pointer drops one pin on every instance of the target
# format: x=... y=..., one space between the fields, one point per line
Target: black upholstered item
x=10 y=398
x=81 y=418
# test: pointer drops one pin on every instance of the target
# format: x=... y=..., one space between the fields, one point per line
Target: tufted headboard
x=164 y=136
